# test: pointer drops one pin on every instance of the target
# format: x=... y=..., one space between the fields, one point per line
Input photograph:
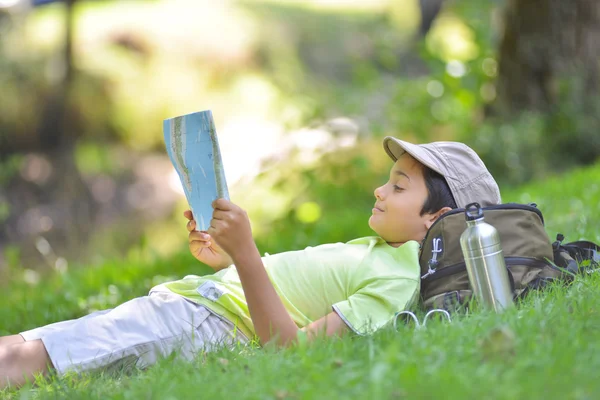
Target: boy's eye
x=398 y=188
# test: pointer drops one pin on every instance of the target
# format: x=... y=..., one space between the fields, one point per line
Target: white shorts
x=136 y=333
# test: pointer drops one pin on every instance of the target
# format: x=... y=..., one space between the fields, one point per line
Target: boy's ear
x=433 y=217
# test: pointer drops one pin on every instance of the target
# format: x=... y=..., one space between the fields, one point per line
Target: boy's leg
x=12 y=339
x=133 y=334
x=136 y=333
x=20 y=362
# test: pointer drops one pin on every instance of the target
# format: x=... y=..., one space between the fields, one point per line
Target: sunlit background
x=302 y=93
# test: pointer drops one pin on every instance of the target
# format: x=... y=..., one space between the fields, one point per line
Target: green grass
x=547 y=348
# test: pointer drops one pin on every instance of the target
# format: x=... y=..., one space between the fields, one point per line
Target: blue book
x=193 y=147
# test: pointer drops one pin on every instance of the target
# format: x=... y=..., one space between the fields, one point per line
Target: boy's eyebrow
x=398 y=172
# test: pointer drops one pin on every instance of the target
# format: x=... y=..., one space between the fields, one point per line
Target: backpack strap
x=538 y=283
x=585 y=250
x=575 y=254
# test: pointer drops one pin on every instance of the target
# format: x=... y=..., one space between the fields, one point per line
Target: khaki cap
x=468 y=178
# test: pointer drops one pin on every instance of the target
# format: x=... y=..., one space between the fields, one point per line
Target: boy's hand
x=230 y=226
x=204 y=248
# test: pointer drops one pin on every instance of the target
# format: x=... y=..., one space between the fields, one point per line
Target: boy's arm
x=270 y=318
x=330 y=325
x=231 y=227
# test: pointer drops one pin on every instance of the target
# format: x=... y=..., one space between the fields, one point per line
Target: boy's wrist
x=245 y=254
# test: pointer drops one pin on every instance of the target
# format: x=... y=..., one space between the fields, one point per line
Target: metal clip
x=409 y=315
x=437 y=310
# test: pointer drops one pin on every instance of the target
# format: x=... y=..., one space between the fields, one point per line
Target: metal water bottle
x=482 y=250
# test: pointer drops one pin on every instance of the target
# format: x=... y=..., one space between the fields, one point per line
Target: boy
x=329 y=289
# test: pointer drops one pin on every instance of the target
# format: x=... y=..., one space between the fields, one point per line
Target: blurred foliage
x=291 y=65
x=340 y=188
x=28 y=78
x=516 y=148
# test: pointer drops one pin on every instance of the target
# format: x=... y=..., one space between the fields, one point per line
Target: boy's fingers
x=222 y=204
x=222 y=215
x=211 y=230
x=199 y=243
x=191 y=225
x=199 y=236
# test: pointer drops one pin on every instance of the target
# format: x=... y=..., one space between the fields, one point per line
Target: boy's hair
x=465 y=173
x=439 y=194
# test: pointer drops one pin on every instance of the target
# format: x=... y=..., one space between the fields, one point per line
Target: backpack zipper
x=508 y=206
x=462 y=266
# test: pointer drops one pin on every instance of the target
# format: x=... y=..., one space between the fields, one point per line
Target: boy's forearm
x=271 y=319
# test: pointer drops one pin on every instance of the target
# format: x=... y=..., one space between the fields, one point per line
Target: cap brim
x=395 y=148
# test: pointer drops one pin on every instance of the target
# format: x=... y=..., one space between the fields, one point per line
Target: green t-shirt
x=365 y=281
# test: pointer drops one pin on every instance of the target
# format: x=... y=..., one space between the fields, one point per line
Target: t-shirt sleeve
x=375 y=304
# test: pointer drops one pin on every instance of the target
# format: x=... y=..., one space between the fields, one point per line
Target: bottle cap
x=473 y=212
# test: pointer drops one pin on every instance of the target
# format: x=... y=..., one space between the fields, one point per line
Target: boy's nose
x=378 y=192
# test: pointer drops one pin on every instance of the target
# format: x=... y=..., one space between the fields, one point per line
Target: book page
x=193 y=147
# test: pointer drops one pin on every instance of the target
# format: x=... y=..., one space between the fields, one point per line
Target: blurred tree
x=544 y=41
x=548 y=64
x=54 y=123
x=48 y=178
x=429 y=10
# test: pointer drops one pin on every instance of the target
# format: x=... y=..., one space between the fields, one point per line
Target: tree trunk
x=549 y=47
x=54 y=127
x=61 y=200
x=429 y=10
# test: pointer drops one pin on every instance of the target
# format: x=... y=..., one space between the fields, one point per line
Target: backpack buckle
x=433 y=262
x=559 y=239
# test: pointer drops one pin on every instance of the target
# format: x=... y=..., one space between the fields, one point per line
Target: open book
x=192 y=144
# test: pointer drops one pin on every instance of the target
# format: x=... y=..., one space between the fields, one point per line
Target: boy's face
x=396 y=214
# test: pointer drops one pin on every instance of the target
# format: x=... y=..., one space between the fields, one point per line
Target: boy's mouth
x=377 y=209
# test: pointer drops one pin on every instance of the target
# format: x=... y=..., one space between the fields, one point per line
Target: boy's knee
x=6 y=354
x=10 y=340
x=10 y=355
x=20 y=363
x=30 y=354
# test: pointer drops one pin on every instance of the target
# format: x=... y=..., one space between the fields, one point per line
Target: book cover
x=193 y=147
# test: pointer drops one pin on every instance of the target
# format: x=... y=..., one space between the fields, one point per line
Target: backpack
x=532 y=260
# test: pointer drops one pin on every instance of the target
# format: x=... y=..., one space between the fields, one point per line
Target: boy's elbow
x=285 y=340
